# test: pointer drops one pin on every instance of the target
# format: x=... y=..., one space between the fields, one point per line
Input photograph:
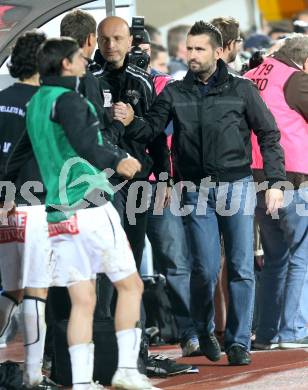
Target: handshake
x=123 y=112
x=129 y=166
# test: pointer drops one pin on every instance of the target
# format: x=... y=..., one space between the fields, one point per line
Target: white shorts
x=25 y=254
x=90 y=242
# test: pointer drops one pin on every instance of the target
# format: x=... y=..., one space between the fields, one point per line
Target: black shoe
x=46 y=384
x=238 y=356
x=210 y=347
x=160 y=365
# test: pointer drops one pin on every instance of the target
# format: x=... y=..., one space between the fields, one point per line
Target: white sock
x=82 y=361
x=128 y=346
x=34 y=339
x=8 y=306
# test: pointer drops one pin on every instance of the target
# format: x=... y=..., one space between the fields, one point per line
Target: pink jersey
x=270 y=78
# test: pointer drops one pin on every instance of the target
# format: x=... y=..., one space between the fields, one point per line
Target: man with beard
x=213 y=113
x=231 y=39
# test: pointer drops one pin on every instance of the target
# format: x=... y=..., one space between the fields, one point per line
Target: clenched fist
x=128 y=167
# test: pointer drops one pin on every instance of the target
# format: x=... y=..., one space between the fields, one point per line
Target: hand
x=6 y=209
x=123 y=113
x=259 y=262
x=162 y=199
x=167 y=199
x=119 y=110
x=273 y=200
x=128 y=167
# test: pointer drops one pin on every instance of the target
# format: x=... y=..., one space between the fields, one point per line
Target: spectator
x=212 y=145
x=159 y=58
x=154 y=33
x=283 y=313
x=230 y=31
x=177 y=51
x=231 y=38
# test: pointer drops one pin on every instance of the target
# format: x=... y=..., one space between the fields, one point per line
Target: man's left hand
x=123 y=113
x=162 y=199
x=273 y=200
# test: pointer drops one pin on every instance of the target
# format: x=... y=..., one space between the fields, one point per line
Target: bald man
x=114 y=40
x=121 y=81
x=125 y=82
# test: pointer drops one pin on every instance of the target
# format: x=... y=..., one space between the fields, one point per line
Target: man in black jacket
x=213 y=113
x=81 y=26
x=127 y=83
x=123 y=82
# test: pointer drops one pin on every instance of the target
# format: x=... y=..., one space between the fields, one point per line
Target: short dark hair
x=23 y=62
x=214 y=34
x=155 y=49
x=78 y=25
x=53 y=52
x=229 y=28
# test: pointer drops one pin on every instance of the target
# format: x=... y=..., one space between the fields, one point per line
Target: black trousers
x=129 y=198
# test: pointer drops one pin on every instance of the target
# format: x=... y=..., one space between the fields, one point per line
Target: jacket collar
x=70 y=82
x=99 y=59
x=222 y=76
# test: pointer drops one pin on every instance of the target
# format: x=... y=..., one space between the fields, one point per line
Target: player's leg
x=11 y=275
x=9 y=301
x=73 y=255
x=127 y=324
x=120 y=267
x=128 y=331
x=37 y=270
x=79 y=333
x=34 y=334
